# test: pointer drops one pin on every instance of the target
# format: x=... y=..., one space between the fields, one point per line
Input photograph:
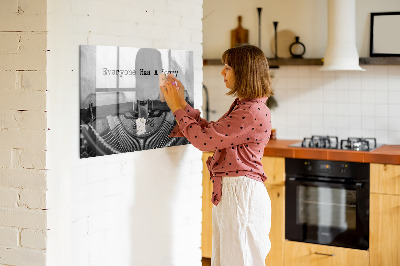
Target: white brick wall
x=33 y=239
x=23 y=132
x=97 y=197
x=140 y=208
x=9 y=237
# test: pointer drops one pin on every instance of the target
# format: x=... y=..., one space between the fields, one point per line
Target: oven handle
x=357 y=185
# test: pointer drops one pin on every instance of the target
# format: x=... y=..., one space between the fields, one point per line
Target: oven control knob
x=308 y=166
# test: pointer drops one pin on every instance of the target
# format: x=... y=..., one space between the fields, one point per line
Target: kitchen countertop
x=389 y=154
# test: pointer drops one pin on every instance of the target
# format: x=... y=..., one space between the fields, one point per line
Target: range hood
x=341 y=51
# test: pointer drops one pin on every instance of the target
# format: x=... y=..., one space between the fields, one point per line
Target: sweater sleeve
x=229 y=131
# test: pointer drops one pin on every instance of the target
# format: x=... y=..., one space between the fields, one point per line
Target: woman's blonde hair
x=250 y=66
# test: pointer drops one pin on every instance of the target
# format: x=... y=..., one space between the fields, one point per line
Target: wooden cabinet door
x=206 y=226
x=304 y=254
x=277 y=233
x=274 y=168
x=384 y=237
x=385 y=178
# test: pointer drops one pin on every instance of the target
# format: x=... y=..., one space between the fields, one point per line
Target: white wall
x=306 y=19
x=23 y=133
x=140 y=208
x=311 y=102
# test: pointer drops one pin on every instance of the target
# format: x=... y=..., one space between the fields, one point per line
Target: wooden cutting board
x=239 y=35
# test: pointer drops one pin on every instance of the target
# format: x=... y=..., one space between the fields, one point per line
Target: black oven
x=327 y=202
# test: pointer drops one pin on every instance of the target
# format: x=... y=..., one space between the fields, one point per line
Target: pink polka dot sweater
x=238 y=139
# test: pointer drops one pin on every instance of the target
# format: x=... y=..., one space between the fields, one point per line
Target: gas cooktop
x=332 y=142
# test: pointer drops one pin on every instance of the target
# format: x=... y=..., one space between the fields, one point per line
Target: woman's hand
x=181 y=91
x=174 y=93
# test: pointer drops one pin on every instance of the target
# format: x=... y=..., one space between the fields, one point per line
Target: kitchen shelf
x=380 y=61
x=274 y=63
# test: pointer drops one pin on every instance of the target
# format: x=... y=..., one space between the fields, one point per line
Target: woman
x=242 y=208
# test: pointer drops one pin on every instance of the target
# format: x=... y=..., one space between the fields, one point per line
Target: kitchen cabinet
x=384 y=221
x=305 y=254
x=277 y=233
x=274 y=168
x=385 y=178
x=385 y=230
x=385 y=215
x=206 y=226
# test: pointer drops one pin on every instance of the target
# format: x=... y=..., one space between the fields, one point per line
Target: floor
x=206 y=261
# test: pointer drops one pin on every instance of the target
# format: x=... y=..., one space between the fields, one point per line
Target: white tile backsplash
x=393 y=71
x=394 y=123
x=381 y=122
x=394 y=137
x=380 y=71
x=367 y=83
x=381 y=84
x=342 y=123
x=291 y=71
x=382 y=136
x=342 y=109
x=367 y=109
x=367 y=123
x=342 y=103
x=292 y=83
x=342 y=96
x=381 y=110
x=394 y=97
x=304 y=82
x=394 y=110
x=329 y=109
x=381 y=97
x=355 y=96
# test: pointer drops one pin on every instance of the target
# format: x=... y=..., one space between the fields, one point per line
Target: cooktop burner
x=328 y=142
x=332 y=142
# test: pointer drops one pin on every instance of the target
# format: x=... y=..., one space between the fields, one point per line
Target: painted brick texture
x=23 y=126
x=100 y=207
x=140 y=208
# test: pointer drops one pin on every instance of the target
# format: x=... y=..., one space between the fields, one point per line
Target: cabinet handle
x=324 y=254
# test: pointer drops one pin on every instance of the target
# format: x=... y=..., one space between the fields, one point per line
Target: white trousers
x=241 y=223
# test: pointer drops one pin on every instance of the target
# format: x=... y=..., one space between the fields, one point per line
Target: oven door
x=327 y=213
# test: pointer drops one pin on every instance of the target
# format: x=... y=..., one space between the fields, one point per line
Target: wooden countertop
x=389 y=154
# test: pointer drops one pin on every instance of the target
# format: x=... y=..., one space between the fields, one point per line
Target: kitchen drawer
x=305 y=254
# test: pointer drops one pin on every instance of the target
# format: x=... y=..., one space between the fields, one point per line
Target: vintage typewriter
x=112 y=126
